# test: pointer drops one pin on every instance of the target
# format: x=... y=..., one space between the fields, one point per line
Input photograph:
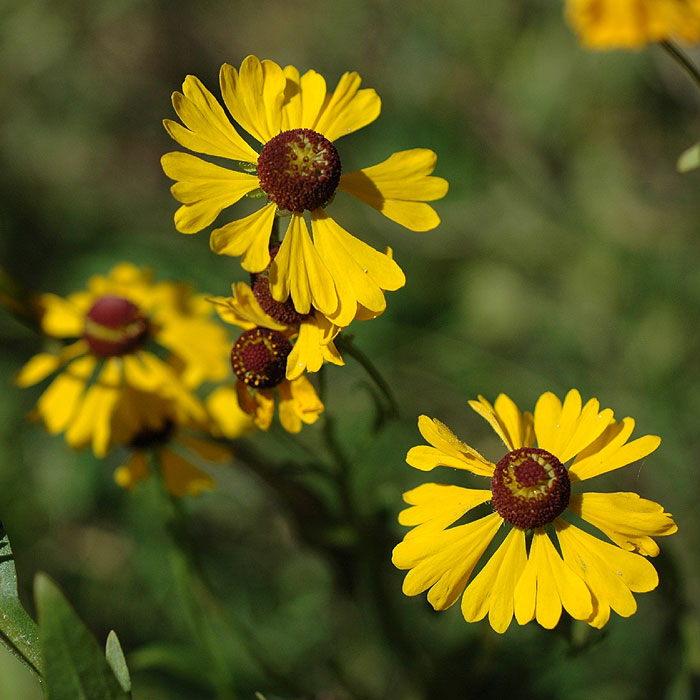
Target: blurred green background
x=567 y=256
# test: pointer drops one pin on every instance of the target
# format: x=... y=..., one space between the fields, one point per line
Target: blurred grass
x=567 y=257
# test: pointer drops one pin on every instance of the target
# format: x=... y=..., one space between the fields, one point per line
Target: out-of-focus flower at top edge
x=263 y=359
x=530 y=491
x=297 y=170
x=147 y=425
x=631 y=24
x=121 y=321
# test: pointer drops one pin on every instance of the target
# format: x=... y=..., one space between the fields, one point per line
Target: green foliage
x=74 y=666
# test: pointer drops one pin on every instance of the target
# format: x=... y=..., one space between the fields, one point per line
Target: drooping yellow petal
x=565 y=430
x=398 y=188
x=244 y=310
x=61 y=318
x=348 y=108
x=361 y=273
x=493 y=589
x=309 y=352
x=254 y=96
x=547 y=584
x=628 y=520
x=303 y=99
x=514 y=428
x=299 y=272
x=612 y=451
x=135 y=470
x=229 y=416
x=182 y=478
x=444 y=560
x=299 y=404
x=203 y=188
x=630 y=24
x=57 y=405
x=44 y=364
x=611 y=573
x=437 y=506
x=447 y=450
x=207 y=128
x=248 y=237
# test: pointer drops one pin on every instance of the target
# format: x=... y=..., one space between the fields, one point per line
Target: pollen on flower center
x=282 y=311
x=259 y=357
x=299 y=170
x=530 y=488
x=114 y=326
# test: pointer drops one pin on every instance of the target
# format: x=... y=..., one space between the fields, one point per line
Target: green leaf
x=74 y=666
x=689 y=159
x=117 y=662
x=18 y=632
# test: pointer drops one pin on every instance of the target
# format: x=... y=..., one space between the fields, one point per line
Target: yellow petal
x=228 y=415
x=628 y=520
x=135 y=470
x=565 y=430
x=506 y=420
x=249 y=237
x=61 y=318
x=308 y=351
x=259 y=404
x=348 y=108
x=447 y=450
x=437 y=506
x=444 y=560
x=299 y=272
x=398 y=187
x=611 y=573
x=208 y=129
x=44 y=364
x=360 y=272
x=203 y=188
x=254 y=96
x=57 y=405
x=182 y=478
x=303 y=99
x=299 y=404
x=493 y=589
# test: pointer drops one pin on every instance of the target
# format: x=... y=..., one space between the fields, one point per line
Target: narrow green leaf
x=74 y=667
x=18 y=632
x=117 y=662
x=689 y=159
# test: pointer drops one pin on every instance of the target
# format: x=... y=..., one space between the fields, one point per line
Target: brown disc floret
x=114 y=326
x=259 y=357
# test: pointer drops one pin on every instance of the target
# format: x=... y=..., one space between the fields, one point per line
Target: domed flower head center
x=114 y=326
x=299 y=170
x=259 y=357
x=282 y=311
x=530 y=488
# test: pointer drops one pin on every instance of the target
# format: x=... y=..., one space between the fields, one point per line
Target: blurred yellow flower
x=531 y=491
x=297 y=170
x=630 y=24
x=116 y=320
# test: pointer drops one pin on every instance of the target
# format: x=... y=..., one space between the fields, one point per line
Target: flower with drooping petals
x=120 y=325
x=298 y=170
x=533 y=491
x=631 y=24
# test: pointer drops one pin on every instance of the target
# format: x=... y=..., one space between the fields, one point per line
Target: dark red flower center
x=282 y=311
x=259 y=357
x=530 y=488
x=153 y=437
x=114 y=326
x=299 y=170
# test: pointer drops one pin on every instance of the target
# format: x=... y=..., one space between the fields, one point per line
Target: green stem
x=682 y=59
x=345 y=345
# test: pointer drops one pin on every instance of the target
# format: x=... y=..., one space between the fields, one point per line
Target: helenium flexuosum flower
x=531 y=491
x=298 y=169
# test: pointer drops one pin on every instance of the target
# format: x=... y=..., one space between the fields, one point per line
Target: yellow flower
x=531 y=491
x=116 y=319
x=630 y=24
x=266 y=363
x=298 y=170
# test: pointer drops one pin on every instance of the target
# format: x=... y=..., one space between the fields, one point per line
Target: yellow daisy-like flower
x=630 y=24
x=115 y=320
x=298 y=170
x=264 y=359
x=531 y=492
